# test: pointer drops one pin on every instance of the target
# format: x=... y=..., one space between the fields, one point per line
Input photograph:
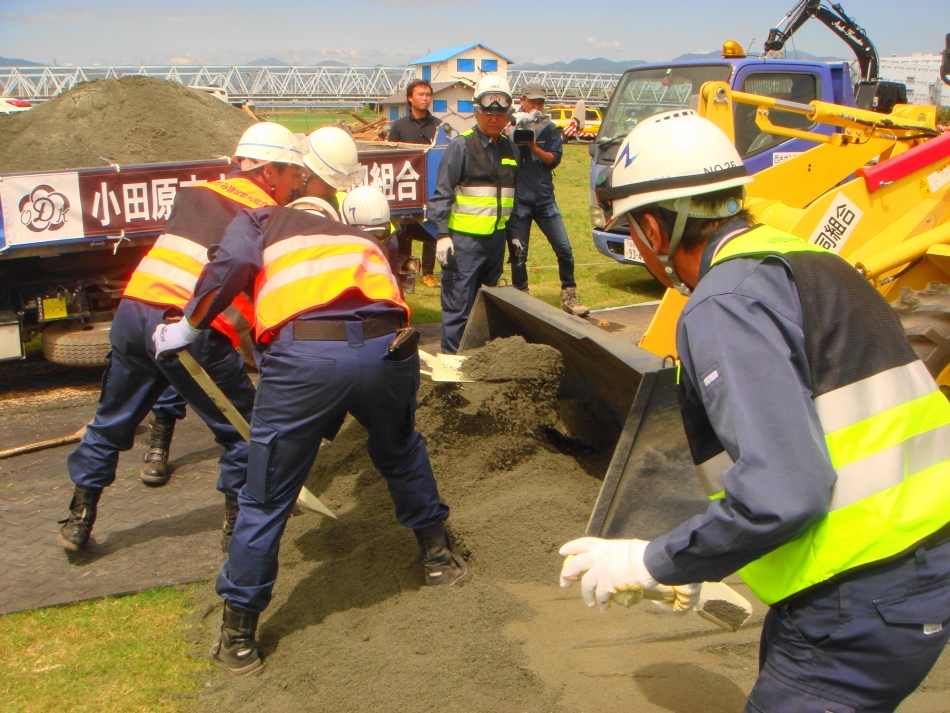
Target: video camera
x=527 y=124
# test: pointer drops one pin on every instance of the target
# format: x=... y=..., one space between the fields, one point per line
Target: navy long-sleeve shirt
x=451 y=170
x=742 y=346
x=239 y=258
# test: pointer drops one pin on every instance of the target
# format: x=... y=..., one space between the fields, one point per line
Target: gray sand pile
x=132 y=120
x=352 y=629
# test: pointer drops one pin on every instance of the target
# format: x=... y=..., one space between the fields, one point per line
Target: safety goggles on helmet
x=493 y=103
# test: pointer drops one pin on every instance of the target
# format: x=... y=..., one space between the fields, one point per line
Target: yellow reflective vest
x=886 y=426
x=485 y=196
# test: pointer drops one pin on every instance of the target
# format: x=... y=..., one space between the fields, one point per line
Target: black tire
x=925 y=315
x=77 y=344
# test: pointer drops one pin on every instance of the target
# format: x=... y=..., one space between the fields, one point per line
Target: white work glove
x=171 y=338
x=615 y=568
x=443 y=247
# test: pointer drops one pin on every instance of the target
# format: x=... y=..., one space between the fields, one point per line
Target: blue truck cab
x=649 y=89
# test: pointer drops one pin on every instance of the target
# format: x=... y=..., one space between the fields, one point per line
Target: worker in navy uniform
x=820 y=438
x=330 y=322
x=473 y=199
x=418 y=127
x=270 y=161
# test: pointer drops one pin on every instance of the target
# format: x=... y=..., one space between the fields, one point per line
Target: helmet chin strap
x=681 y=207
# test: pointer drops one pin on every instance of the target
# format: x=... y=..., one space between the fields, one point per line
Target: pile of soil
x=132 y=120
x=351 y=628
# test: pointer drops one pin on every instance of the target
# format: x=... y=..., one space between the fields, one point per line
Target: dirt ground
x=133 y=120
x=352 y=629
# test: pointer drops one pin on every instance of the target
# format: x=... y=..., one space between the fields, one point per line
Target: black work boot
x=234 y=648
x=155 y=470
x=76 y=528
x=442 y=566
x=231 y=510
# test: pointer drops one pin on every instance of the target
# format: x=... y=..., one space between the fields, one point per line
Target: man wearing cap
x=474 y=196
x=534 y=200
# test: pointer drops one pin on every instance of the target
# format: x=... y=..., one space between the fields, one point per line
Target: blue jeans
x=132 y=384
x=305 y=391
x=476 y=261
x=863 y=644
x=549 y=220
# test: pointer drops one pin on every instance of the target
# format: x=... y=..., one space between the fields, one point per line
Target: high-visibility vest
x=310 y=261
x=886 y=426
x=168 y=273
x=485 y=195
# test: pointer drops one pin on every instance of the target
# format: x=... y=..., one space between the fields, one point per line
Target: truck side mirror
x=945 y=65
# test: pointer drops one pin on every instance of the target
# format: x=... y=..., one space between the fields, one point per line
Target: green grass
x=943 y=115
x=107 y=656
x=302 y=123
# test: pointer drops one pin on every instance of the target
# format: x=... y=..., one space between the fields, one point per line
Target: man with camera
x=539 y=150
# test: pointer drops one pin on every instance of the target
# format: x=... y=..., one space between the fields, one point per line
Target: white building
x=921 y=74
x=453 y=72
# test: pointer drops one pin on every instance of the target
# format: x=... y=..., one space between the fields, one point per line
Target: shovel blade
x=312 y=502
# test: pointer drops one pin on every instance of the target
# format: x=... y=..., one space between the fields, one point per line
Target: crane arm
x=836 y=20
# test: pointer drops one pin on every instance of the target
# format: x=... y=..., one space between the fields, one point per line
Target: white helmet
x=333 y=158
x=267 y=142
x=667 y=159
x=316 y=206
x=492 y=94
x=366 y=208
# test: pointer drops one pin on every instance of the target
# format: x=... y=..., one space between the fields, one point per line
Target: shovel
x=306 y=498
x=443 y=367
x=719 y=604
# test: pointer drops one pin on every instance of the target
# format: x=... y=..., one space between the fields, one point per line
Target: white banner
x=837 y=224
x=41 y=207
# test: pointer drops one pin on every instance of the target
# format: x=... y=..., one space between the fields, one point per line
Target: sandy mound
x=132 y=120
x=351 y=629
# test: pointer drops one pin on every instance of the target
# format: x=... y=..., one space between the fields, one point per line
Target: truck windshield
x=645 y=92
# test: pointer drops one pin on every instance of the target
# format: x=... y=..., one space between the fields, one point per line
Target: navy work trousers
x=170 y=405
x=306 y=389
x=476 y=261
x=549 y=220
x=134 y=381
x=862 y=645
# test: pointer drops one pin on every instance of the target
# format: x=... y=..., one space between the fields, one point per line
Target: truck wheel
x=77 y=344
x=925 y=315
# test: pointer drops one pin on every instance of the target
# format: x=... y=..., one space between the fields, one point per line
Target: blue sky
x=398 y=31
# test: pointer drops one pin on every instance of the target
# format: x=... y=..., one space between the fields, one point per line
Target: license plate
x=630 y=251
x=54 y=308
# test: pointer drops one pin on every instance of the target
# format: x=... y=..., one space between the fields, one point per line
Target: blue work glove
x=169 y=339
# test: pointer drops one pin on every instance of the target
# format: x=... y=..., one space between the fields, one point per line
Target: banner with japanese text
x=400 y=175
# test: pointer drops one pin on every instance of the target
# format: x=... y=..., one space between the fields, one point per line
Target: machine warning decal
x=837 y=224
x=783 y=156
x=939 y=178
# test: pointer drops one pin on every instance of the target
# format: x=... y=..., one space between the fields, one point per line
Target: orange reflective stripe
x=308 y=271
x=236 y=321
x=242 y=191
x=155 y=290
x=176 y=259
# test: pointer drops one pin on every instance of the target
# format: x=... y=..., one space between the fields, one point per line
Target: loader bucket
x=651 y=484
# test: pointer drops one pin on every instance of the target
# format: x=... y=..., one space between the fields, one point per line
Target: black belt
x=314 y=330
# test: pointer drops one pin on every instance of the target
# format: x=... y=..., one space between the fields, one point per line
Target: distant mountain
x=789 y=53
x=597 y=64
x=13 y=62
x=272 y=62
